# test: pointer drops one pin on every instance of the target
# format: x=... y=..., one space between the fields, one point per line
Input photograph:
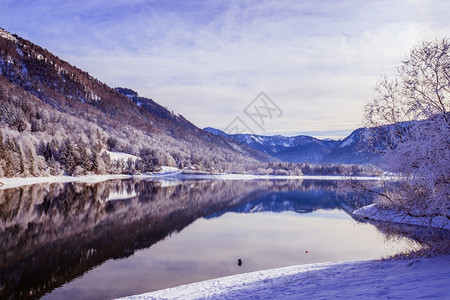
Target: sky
x=316 y=61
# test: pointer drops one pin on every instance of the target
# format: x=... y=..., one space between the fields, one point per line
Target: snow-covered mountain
x=299 y=148
x=354 y=149
x=295 y=201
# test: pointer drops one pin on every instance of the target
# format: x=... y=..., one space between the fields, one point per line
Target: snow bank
x=375 y=213
x=398 y=279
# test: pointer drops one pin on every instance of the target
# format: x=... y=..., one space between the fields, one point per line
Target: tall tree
x=410 y=115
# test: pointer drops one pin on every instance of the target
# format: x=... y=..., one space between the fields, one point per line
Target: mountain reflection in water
x=309 y=197
x=53 y=233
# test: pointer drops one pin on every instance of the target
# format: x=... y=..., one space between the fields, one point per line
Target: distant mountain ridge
x=295 y=149
x=354 y=149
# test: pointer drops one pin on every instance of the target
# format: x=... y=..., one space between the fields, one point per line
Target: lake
x=123 y=237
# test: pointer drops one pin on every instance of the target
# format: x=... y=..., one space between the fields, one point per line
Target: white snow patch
x=19 y=51
x=7 y=183
x=94 y=96
x=120 y=155
x=375 y=213
x=237 y=147
x=6 y=35
x=169 y=183
x=424 y=278
x=257 y=139
x=116 y=195
x=168 y=171
x=347 y=142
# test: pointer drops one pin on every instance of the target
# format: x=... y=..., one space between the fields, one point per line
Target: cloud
x=207 y=60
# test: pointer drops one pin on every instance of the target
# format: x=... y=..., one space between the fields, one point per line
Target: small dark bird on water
x=239 y=262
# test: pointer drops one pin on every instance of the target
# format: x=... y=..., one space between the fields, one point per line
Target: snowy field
x=417 y=278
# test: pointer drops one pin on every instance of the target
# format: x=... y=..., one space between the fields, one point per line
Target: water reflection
x=311 y=197
x=53 y=233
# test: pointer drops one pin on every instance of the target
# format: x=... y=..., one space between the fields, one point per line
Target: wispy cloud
x=319 y=60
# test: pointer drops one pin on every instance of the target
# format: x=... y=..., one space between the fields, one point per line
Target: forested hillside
x=56 y=118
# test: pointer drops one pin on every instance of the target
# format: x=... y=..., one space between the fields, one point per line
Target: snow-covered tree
x=410 y=115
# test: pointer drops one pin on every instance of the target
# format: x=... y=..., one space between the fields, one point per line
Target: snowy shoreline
x=374 y=213
x=372 y=279
x=7 y=183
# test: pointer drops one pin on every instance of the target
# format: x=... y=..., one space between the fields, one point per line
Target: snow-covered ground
x=165 y=172
x=6 y=183
x=418 y=278
x=169 y=171
x=375 y=213
x=119 y=155
x=252 y=177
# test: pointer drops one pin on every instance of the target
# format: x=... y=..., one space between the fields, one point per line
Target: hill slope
x=354 y=149
x=57 y=118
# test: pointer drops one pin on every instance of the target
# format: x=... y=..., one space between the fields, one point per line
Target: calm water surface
x=123 y=237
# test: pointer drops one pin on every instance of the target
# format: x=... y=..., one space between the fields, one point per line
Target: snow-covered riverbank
x=6 y=183
x=374 y=212
x=426 y=278
x=166 y=173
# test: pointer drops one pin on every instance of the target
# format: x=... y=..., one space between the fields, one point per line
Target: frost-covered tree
x=410 y=115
